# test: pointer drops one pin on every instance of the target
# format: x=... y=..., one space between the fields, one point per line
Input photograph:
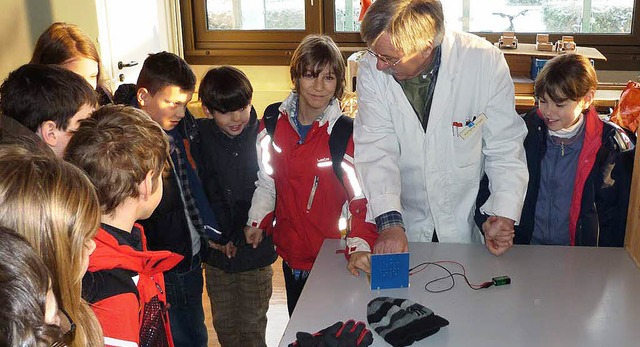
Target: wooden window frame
x=271 y=47
x=241 y=47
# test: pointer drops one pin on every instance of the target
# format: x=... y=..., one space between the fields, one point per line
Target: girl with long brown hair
x=54 y=206
x=68 y=46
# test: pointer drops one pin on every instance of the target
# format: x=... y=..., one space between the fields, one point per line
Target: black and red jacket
x=124 y=285
x=600 y=199
x=598 y=212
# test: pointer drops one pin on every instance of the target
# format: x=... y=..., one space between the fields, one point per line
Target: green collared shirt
x=419 y=90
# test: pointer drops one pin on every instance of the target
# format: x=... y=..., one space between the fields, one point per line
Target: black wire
x=453 y=280
x=451 y=276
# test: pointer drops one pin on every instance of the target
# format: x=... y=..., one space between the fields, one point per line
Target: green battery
x=501 y=280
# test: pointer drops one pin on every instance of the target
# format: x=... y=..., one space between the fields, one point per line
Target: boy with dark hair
x=154 y=75
x=48 y=100
x=183 y=220
x=124 y=153
x=238 y=275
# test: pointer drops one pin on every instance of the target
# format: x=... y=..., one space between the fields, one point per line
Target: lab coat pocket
x=467 y=151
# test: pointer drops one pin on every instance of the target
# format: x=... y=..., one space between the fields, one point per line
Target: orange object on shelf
x=627 y=112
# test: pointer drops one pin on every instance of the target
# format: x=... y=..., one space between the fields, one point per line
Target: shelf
x=605 y=98
x=529 y=50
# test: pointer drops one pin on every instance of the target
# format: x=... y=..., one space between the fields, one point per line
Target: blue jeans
x=186 y=315
x=294 y=283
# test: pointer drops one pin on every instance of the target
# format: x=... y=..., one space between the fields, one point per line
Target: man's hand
x=391 y=240
x=498 y=234
x=253 y=235
x=359 y=261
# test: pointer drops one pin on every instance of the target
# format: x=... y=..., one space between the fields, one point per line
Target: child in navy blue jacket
x=580 y=167
x=238 y=276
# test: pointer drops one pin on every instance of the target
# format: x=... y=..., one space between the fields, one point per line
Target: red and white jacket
x=122 y=283
x=298 y=197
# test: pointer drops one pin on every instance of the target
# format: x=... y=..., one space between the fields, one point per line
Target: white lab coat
x=433 y=178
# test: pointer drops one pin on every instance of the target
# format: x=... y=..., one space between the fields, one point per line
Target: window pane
x=525 y=16
x=534 y=16
x=347 y=14
x=255 y=15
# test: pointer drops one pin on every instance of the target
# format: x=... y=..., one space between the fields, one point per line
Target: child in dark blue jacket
x=238 y=276
x=580 y=167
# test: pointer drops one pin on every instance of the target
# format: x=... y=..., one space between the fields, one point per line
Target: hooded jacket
x=124 y=285
x=600 y=198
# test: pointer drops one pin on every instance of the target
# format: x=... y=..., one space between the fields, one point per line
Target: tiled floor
x=277 y=316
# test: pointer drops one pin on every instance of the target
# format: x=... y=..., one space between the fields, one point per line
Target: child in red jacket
x=299 y=196
x=124 y=152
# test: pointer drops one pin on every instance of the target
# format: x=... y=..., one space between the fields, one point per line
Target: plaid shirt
x=389 y=219
x=189 y=200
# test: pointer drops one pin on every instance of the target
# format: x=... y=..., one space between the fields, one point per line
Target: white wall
x=22 y=21
x=15 y=35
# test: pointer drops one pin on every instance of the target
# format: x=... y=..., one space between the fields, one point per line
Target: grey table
x=559 y=296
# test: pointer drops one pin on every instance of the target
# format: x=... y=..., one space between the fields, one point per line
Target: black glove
x=349 y=334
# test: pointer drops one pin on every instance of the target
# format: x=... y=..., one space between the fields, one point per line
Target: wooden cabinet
x=632 y=236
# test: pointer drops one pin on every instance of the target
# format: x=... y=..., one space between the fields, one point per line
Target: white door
x=131 y=29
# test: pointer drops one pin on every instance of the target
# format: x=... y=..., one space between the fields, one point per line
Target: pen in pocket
x=455 y=128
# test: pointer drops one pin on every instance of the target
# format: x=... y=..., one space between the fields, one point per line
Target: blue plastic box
x=536 y=66
x=538 y=63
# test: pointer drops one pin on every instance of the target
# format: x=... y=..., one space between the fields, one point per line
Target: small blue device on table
x=389 y=271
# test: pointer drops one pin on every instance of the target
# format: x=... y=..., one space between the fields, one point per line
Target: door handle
x=122 y=65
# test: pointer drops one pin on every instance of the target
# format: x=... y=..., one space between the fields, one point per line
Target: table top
x=559 y=296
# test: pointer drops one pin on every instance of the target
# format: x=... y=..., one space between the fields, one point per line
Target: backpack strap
x=270 y=118
x=340 y=134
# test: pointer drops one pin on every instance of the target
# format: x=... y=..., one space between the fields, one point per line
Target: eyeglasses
x=384 y=59
x=68 y=328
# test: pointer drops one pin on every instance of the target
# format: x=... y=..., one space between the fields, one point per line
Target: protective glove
x=348 y=334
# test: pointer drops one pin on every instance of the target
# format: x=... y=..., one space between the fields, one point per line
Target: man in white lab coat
x=435 y=112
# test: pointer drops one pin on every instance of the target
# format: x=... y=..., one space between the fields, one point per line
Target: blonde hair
x=412 y=25
x=54 y=206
